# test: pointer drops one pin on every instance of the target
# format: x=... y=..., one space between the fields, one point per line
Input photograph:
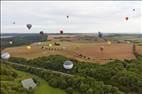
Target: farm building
x=28 y=83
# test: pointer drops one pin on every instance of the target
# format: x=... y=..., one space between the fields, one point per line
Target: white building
x=28 y=83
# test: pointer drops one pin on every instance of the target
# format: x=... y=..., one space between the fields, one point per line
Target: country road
x=57 y=72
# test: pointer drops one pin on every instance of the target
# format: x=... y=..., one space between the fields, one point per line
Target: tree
x=53 y=82
x=89 y=91
x=83 y=87
x=69 y=90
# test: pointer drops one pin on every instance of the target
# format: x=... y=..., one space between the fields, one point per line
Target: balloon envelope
x=10 y=42
x=68 y=64
x=5 y=55
x=50 y=45
x=28 y=47
x=67 y=17
x=39 y=43
x=133 y=9
x=102 y=48
x=61 y=32
x=41 y=32
x=100 y=35
x=126 y=18
x=29 y=26
x=109 y=42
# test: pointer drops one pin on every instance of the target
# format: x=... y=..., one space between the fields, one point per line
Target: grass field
x=42 y=88
x=88 y=51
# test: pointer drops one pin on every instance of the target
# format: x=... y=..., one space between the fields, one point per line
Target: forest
x=21 y=39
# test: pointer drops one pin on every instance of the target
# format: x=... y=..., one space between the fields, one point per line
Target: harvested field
x=82 y=51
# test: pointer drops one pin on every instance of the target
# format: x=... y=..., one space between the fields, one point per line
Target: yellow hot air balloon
x=109 y=42
x=29 y=47
x=50 y=45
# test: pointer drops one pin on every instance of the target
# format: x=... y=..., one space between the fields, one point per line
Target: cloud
x=84 y=16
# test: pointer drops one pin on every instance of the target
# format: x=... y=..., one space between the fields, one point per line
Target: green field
x=44 y=88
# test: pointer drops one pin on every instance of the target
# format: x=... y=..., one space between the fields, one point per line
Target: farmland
x=82 y=51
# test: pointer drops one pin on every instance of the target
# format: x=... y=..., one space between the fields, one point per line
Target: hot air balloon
x=61 y=32
x=29 y=26
x=128 y=42
x=28 y=47
x=101 y=48
x=68 y=64
x=39 y=43
x=126 y=18
x=13 y=22
x=50 y=45
x=133 y=9
x=99 y=34
x=5 y=55
x=67 y=17
x=10 y=42
x=41 y=33
x=108 y=42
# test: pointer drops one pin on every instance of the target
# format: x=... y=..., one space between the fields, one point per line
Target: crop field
x=81 y=51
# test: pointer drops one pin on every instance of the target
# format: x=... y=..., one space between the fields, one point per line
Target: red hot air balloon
x=126 y=18
x=101 y=48
x=61 y=32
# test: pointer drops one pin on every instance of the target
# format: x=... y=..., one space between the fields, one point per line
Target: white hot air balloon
x=5 y=55
x=39 y=43
x=68 y=64
x=11 y=42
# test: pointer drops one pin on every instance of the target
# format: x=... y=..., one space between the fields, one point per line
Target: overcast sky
x=84 y=16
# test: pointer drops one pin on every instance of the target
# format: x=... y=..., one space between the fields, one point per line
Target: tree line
x=23 y=39
x=124 y=75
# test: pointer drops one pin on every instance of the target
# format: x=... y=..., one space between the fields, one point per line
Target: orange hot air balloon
x=126 y=18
